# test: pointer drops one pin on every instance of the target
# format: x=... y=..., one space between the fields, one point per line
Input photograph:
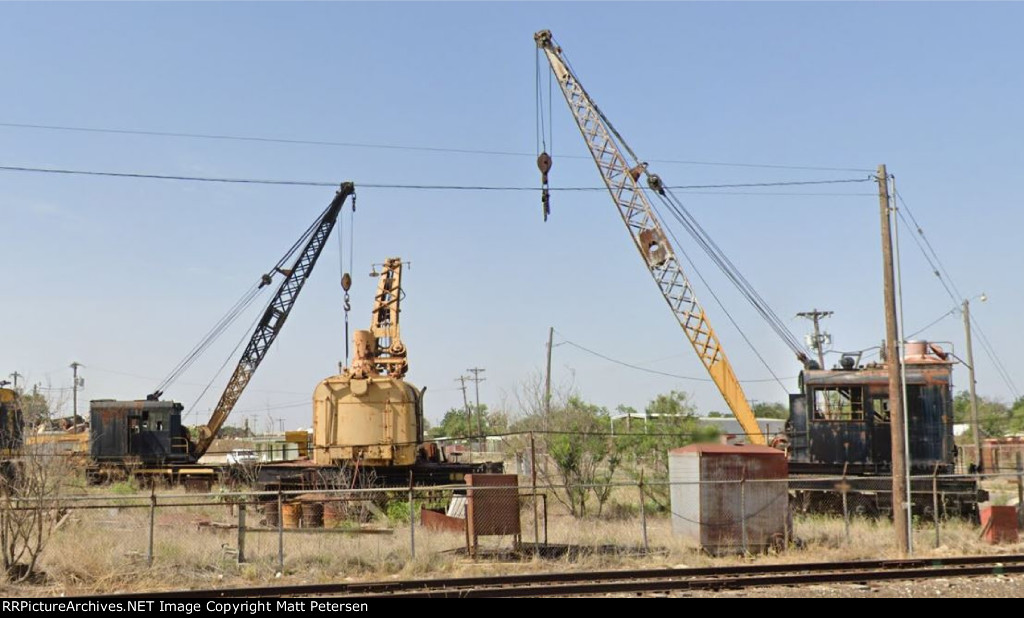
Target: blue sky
x=125 y=276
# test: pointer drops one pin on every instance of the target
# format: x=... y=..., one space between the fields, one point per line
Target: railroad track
x=632 y=581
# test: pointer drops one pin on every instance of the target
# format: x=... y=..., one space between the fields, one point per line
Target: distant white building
x=728 y=427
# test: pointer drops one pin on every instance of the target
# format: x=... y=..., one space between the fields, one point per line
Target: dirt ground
x=1008 y=587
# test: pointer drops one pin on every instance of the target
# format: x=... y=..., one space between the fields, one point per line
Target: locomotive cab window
x=844 y=403
x=880 y=409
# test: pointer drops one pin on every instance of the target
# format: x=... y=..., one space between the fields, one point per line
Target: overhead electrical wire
x=940 y=272
x=365 y=185
x=729 y=269
x=343 y=144
x=721 y=305
x=610 y=359
x=696 y=231
x=933 y=322
x=234 y=312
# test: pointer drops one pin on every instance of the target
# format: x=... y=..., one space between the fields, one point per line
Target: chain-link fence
x=416 y=529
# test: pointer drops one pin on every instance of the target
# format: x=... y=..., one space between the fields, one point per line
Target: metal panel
x=743 y=498
x=492 y=508
x=684 y=477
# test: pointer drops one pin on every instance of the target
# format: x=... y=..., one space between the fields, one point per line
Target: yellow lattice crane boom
x=622 y=181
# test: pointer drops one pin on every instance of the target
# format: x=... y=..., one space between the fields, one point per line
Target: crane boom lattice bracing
x=273 y=319
x=622 y=182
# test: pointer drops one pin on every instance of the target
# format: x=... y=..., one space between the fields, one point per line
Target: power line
x=932 y=323
x=342 y=144
x=940 y=272
x=318 y=183
x=991 y=352
x=920 y=231
x=646 y=369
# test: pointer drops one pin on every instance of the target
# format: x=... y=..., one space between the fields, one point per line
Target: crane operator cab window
x=842 y=403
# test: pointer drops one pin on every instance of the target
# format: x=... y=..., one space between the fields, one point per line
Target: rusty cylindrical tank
x=313 y=515
x=291 y=514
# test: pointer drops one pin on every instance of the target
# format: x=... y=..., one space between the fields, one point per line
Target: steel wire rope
x=721 y=306
x=442 y=187
x=940 y=272
x=611 y=359
x=730 y=270
x=329 y=143
x=236 y=310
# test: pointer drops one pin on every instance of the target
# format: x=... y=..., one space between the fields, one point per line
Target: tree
x=33 y=492
x=994 y=416
x=671 y=423
x=770 y=410
x=457 y=424
x=34 y=407
x=575 y=454
x=583 y=456
x=1016 y=424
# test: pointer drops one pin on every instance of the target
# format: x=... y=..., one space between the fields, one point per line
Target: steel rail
x=642 y=580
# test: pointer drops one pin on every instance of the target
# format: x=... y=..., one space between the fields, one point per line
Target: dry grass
x=105 y=550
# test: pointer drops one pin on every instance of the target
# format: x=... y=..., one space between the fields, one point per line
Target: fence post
x=935 y=504
x=1020 y=491
x=743 y=508
x=533 y=482
x=545 y=497
x=643 y=511
x=844 y=491
x=241 y=531
x=412 y=519
x=152 y=523
x=787 y=533
x=280 y=530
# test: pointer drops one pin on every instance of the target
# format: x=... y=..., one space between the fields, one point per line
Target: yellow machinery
x=623 y=182
x=368 y=414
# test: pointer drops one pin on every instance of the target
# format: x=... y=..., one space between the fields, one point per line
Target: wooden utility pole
x=816 y=316
x=74 y=390
x=547 y=378
x=476 y=371
x=975 y=425
x=17 y=375
x=897 y=420
x=465 y=404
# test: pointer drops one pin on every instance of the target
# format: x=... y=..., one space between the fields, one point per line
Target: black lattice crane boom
x=273 y=319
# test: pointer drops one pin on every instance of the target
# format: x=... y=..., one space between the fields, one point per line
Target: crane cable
x=346 y=277
x=543 y=157
x=234 y=312
x=729 y=269
x=701 y=236
x=721 y=306
x=704 y=240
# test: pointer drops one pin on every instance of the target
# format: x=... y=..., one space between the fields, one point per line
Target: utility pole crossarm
x=622 y=181
x=816 y=316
